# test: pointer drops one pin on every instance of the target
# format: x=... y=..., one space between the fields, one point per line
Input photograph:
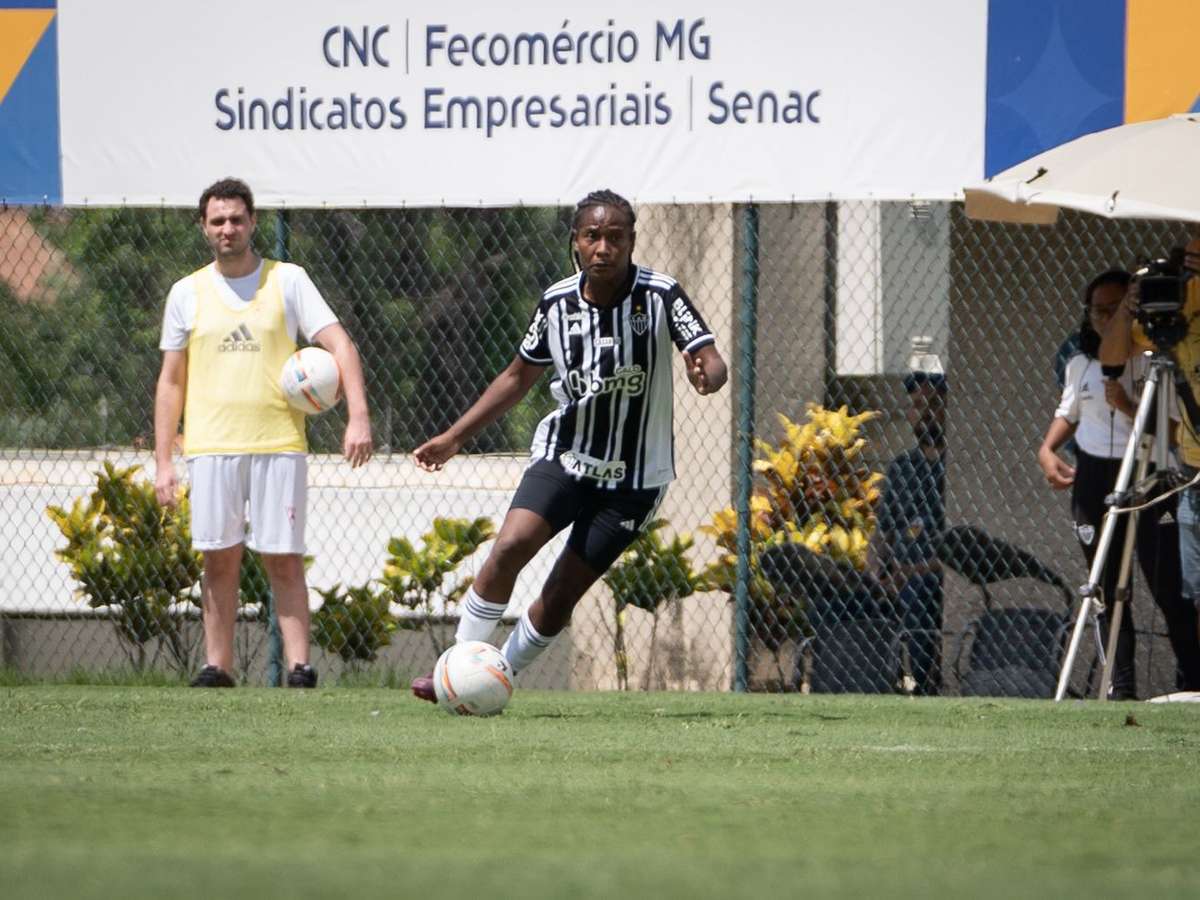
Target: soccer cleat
x=213 y=677
x=302 y=676
x=422 y=688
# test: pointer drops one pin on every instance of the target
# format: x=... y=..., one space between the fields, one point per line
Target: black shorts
x=606 y=522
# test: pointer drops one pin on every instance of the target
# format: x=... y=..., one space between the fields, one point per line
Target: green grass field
x=165 y=792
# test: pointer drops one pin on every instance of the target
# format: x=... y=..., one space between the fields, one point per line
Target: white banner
x=372 y=103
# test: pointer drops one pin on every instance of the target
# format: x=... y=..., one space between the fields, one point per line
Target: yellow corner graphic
x=20 y=31
x=1162 y=68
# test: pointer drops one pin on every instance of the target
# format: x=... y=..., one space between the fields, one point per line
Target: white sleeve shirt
x=304 y=309
x=1101 y=430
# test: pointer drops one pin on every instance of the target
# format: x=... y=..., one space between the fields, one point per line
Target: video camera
x=1162 y=291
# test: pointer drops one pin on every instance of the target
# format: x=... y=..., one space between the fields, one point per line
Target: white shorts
x=273 y=485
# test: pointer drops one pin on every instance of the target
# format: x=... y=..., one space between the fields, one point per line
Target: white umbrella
x=1146 y=170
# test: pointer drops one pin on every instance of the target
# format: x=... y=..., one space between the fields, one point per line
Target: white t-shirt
x=1102 y=430
x=304 y=309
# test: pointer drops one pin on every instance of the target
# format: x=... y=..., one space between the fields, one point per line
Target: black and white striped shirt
x=612 y=378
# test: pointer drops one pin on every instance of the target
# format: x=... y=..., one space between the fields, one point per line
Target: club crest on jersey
x=583 y=466
x=640 y=323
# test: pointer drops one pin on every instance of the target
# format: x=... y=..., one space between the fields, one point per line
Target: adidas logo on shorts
x=629 y=525
x=240 y=339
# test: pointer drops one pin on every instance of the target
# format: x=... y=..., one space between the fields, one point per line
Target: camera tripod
x=1131 y=493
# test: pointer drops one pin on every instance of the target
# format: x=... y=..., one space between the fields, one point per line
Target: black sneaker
x=211 y=676
x=302 y=676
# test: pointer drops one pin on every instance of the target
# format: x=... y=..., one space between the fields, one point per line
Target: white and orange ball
x=473 y=679
x=311 y=381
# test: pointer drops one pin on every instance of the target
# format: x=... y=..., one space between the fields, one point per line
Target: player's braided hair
x=597 y=198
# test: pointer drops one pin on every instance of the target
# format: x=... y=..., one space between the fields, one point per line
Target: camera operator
x=1097 y=408
x=1122 y=340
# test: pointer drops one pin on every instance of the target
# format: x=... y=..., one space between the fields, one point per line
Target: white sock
x=478 y=618
x=525 y=644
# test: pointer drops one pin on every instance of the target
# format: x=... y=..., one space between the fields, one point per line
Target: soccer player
x=227 y=331
x=602 y=460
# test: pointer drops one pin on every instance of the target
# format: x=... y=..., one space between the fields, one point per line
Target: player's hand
x=357 y=445
x=1117 y=397
x=1059 y=475
x=434 y=453
x=704 y=381
x=165 y=485
x=1133 y=297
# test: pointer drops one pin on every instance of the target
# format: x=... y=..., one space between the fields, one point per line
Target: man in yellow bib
x=227 y=330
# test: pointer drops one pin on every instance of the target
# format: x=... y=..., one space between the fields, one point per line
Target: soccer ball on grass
x=473 y=679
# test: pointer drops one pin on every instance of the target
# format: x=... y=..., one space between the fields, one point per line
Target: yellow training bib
x=234 y=403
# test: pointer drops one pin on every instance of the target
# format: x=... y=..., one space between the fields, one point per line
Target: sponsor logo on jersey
x=629 y=379
x=583 y=466
x=239 y=340
x=533 y=335
x=606 y=342
x=685 y=320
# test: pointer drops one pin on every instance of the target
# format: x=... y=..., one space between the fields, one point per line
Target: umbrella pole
x=1137 y=452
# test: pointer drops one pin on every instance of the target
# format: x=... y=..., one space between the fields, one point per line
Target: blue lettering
x=432 y=43
x=715 y=100
x=432 y=95
x=376 y=53
x=222 y=94
x=362 y=45
x=329 y=57
x=399 y=119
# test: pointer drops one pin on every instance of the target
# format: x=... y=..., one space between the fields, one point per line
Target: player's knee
x=283 y=566
x=511 y=552
x=222 y=564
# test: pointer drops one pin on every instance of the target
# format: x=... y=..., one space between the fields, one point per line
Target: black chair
x=856 y=656
x=1015 y=652
x=855 y=643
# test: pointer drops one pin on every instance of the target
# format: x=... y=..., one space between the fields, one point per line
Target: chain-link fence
x=956 y=574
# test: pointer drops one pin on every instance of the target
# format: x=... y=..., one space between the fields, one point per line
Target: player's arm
x=706 y=369
x=505 y=392
x=1058 y=474
x=356 y=443
x=168 y=408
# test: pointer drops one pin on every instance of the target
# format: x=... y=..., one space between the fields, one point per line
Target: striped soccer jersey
x=612 y=378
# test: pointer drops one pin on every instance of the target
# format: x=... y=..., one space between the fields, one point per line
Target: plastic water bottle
x=922 y=358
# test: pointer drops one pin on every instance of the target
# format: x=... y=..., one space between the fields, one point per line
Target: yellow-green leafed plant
x=649 y=573
x=814 y=489
x=355 y=623
x=418 y=579
x=133 y=557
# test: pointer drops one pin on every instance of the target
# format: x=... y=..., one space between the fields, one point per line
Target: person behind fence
x=601 y=461
x=1098 y=411
x=227 y=330
x=911 y=514
x=1121 y=341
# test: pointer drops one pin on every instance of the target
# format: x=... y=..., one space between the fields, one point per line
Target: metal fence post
x=747 y=349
